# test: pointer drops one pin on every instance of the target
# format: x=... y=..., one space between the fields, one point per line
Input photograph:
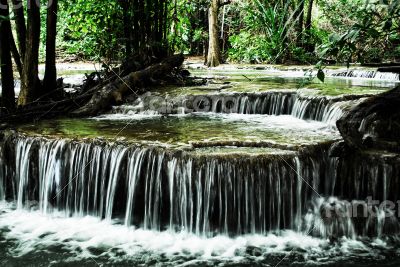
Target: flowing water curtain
x=297 y=104
x=160 y=190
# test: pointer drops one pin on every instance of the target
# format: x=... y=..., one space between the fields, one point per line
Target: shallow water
x=288 y=78
x=185 y=129
x=30 y=237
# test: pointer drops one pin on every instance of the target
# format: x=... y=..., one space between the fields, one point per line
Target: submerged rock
x=374 y=123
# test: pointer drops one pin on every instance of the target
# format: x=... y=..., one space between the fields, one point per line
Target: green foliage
x=339 y=15
x=373 y=36
x=254 y=30
x=181 y=27
x=395 y=53
x=92 y=28
x=269 y=34
x=187 y=26
x=264 y=36
x=249 y=48
x=361 y=32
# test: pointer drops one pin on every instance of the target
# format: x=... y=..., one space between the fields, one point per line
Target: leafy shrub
x=268 y=34
x=92 y=28
x=246 y=47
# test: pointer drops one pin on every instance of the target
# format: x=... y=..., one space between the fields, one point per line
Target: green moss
x=224 y=151
x=177 y=131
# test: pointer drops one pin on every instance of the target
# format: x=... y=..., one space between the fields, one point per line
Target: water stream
x=198 y=178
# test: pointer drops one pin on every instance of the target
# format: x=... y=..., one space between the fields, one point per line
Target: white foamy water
x=32 y=228
x=280 y=122
x=343 y=73
x=90 y=237
x=305 y=105
x=131 y=115
x=363 y=73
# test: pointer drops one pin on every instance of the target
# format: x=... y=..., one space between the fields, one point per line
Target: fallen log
x=114 y=92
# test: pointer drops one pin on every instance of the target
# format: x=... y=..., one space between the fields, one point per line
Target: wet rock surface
x=374 y=123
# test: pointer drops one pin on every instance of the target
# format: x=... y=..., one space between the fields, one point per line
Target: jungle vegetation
x=244 y=31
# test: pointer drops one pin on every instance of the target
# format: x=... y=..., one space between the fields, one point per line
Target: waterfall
x=160 y=189
x=272 y=103
x=22 y=169
x=360 y=73
x=117 y=154
x=156 y=189
x=319 y=109
x=49 y=170
x=135 y=164
x=297 y=104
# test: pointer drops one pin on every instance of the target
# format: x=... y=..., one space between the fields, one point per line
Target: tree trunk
x=142 y=28
x=15 y=54
x=30 y=81
x=136 y=27
x=148 y=12
x=214 y=51
x=165 y=24
x=7 y=79
x=160 y=22
x=20 y=26
x=300 y=22
x=50 y=76
x=126 y=11
x=310 y=46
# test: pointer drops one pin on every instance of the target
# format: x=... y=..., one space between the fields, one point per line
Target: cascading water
x=99 y=197
x=297 y=104
x=370 y=74
x=158 y=190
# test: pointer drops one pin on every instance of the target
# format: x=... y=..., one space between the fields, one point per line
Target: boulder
x=374 y=123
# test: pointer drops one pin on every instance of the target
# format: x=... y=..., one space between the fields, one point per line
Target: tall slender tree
x=300 y=22
x=30 y=80
x=7 y=79
x=136 y=26
x=214 y=50
x=18 y=53
x=126 y=6
x=50 y=76
x=19 y=18
x=309 y=46
x=15 y=54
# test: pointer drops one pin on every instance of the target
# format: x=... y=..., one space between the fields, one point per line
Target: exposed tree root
x=98 y=95
x=114 y=92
